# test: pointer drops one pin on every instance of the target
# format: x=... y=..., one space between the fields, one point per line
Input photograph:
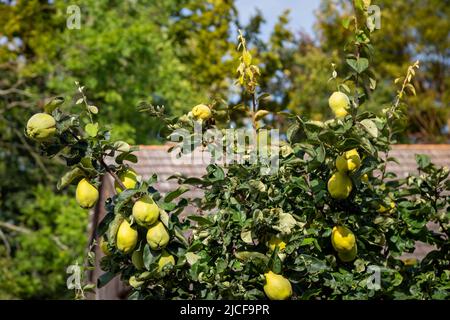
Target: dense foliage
x=330 y=223
x=184 y=55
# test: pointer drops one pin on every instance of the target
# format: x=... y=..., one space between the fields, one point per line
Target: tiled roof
x=156 y=159
x=405 y=154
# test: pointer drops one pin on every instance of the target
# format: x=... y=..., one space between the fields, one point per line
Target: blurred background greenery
x=175 y=53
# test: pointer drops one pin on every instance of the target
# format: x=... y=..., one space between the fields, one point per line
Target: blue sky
x=302 y=12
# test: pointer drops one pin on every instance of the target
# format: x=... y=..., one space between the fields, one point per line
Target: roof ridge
x=424 y=146
x=395 y=146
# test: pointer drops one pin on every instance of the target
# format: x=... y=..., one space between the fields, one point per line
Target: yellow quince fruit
x=86 y=194
x=127 y=237
x=201 y=112
x=340 y=185
x=276 y=242
x=338 y=100
x=145 y=211
x=365 y=178
x=41 y=127
x=340 y=113
x=348 y=161
x=277 y=287
x=347 y=256
x=128 y=178
x=342 y=239
x=339 y=103
x=165 y=259
x=135 y=283
x=104 y=247
x=158 y=236
x=390 y=209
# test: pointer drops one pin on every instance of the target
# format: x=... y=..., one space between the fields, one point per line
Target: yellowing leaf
x=286 y=223
x=261 y=114
x=93 y=109
x=192 y=257
x=246 y=57
x=370 y=127
x=246 y=236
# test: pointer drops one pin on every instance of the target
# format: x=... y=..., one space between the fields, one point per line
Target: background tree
x=124 y=57
x=180 y=53
x=411 y=30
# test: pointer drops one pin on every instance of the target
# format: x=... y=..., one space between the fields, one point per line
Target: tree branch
x=113 y=174
x=13 y=227
x=5 y=241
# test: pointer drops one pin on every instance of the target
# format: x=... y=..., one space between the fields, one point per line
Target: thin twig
x=5 y=241
x=253 y=110
x=13 y=227
x=113 y=174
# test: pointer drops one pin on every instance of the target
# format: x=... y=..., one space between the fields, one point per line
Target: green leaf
x=150 y=257
x=320 y=153
x=200 y=220
x=104 y=224
x=52 y=103
x=126 y=157
x=180 y=236
x=164 y=217
x=168 y=206
x=123 y=198
x=194 y=181
x=275 y=262
x=249 y=255
x=91 y=129
x=423 y=160
x=104 y=279
x=307 y=241
x=358 y=65
x=359 y=4
x=286 y=223
x=175 y=194
x=293 y=133
x=370 y=127
x=114 y=227
x=215 y=173
x=86 y=164
x=346 y=22
x=345 y=88
x=264 y=96
x=68 y=177
x=121 y=146
x=89 y=287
